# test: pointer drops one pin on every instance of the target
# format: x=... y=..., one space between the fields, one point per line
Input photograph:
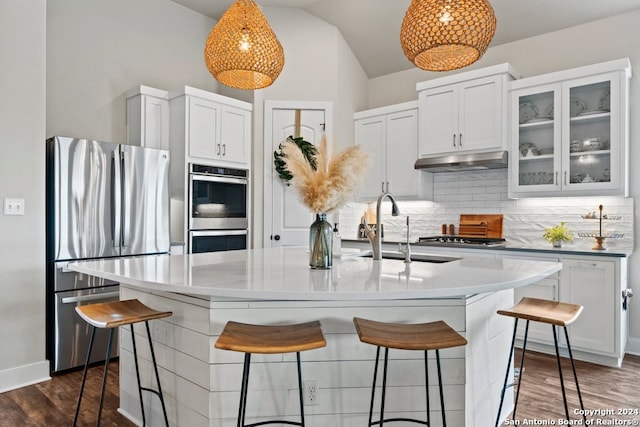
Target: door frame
x=268 y=177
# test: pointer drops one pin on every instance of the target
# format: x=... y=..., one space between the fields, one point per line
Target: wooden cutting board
x=474 y=224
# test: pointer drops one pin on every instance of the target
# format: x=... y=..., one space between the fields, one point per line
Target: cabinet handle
x=557 y=182
x=587 y=264
x=382 y=189
x=387 y=186
x=626 y=294
x=224 y=149
x=460 y=140
x=565 y=177
x=218 y=149
x=454 y=139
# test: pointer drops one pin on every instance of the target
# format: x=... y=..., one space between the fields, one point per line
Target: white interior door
x=289 y=220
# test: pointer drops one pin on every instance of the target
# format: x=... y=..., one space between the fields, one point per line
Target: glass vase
x=320 y=243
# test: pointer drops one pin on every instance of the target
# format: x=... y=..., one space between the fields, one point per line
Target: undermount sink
x=414 y=257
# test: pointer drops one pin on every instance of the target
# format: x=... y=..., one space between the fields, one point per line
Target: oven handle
x=207 y=233
x=92 y=297
x=226 y=179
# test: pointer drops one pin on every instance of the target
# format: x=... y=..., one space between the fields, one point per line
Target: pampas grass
x=334 y=180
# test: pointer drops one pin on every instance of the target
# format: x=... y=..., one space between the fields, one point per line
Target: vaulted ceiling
x=372 y=27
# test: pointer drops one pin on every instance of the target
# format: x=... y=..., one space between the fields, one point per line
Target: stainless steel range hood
x=462 y=162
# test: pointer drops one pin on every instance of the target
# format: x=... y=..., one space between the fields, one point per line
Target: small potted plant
x=557 y=234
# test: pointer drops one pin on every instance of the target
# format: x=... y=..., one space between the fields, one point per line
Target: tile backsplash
x=485 y=192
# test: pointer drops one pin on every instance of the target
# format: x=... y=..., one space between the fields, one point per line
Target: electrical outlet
x=310 y=392
x=14 y=206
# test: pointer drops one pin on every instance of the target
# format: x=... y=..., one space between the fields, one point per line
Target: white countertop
x=284 y=274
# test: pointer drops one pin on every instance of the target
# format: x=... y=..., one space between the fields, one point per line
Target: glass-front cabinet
x=570 y=133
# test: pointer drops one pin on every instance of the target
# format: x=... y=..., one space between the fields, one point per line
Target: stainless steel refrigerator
x=103 y=200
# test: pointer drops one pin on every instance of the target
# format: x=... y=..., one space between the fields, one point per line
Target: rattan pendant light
x=242 y=51
x=443 y=35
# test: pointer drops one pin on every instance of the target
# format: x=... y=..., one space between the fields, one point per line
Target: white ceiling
x=372 y=27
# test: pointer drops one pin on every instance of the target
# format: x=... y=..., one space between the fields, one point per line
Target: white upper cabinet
x=464 y=112
x=212 y=129
x=148 y=117
x=569 y=132
x=390 y=136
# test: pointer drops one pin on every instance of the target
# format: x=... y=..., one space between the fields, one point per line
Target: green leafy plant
x=308 y=150
x=558 y=233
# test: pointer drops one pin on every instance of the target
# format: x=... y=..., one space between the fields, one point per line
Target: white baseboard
x=633 y=346
x=25 y=375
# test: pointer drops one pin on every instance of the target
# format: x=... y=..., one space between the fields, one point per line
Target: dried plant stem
x=335 y=179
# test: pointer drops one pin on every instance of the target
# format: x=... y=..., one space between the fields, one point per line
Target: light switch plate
x=14 y=206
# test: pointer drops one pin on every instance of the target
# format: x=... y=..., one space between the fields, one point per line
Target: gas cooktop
x=446 y=240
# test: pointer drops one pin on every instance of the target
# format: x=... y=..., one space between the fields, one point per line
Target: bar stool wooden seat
x=423 y=336
x=554 y=313
x=112 y=315
x=269 y=339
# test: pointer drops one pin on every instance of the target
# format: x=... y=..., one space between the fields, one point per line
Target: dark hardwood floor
x=52 y=403
x=602 y=388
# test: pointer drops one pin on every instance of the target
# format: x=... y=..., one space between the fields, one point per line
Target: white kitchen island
x=201 y=384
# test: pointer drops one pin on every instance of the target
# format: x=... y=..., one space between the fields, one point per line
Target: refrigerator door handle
x=124 y=236
x=116 y=199
x=92 y=297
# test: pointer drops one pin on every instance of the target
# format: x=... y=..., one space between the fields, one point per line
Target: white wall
x=97 y=50
x=22 y=131
x=319 y=66
x=607 y=39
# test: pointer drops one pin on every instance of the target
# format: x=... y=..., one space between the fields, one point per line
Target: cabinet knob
x=276 y=237
x=626 y=294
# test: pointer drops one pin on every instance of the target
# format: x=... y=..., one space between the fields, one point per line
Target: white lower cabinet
x=591 y=283
x=546 y=288
x=599 y=334
x=597 y=282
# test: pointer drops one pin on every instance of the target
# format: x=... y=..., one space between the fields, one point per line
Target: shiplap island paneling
x=201 y=383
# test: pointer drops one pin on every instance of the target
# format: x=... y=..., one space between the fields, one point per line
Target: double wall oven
x=218 y=209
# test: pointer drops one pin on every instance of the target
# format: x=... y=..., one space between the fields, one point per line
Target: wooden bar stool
x=554 y=313
x=269 y=339
x=423 y=336
x=112 y=315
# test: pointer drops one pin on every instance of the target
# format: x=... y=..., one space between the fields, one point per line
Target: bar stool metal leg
x=426 y=385
x=243 y=389
x=506 y=376
x=300 y=389
x=575 y=375
x=384 y=384
x=155 y=367
x=135 y=362
x=104 y=375
x=564 y=394
x=444 y=421
x=242 y=407
x=84 y=375
x=373 y=387
x=524 y=350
